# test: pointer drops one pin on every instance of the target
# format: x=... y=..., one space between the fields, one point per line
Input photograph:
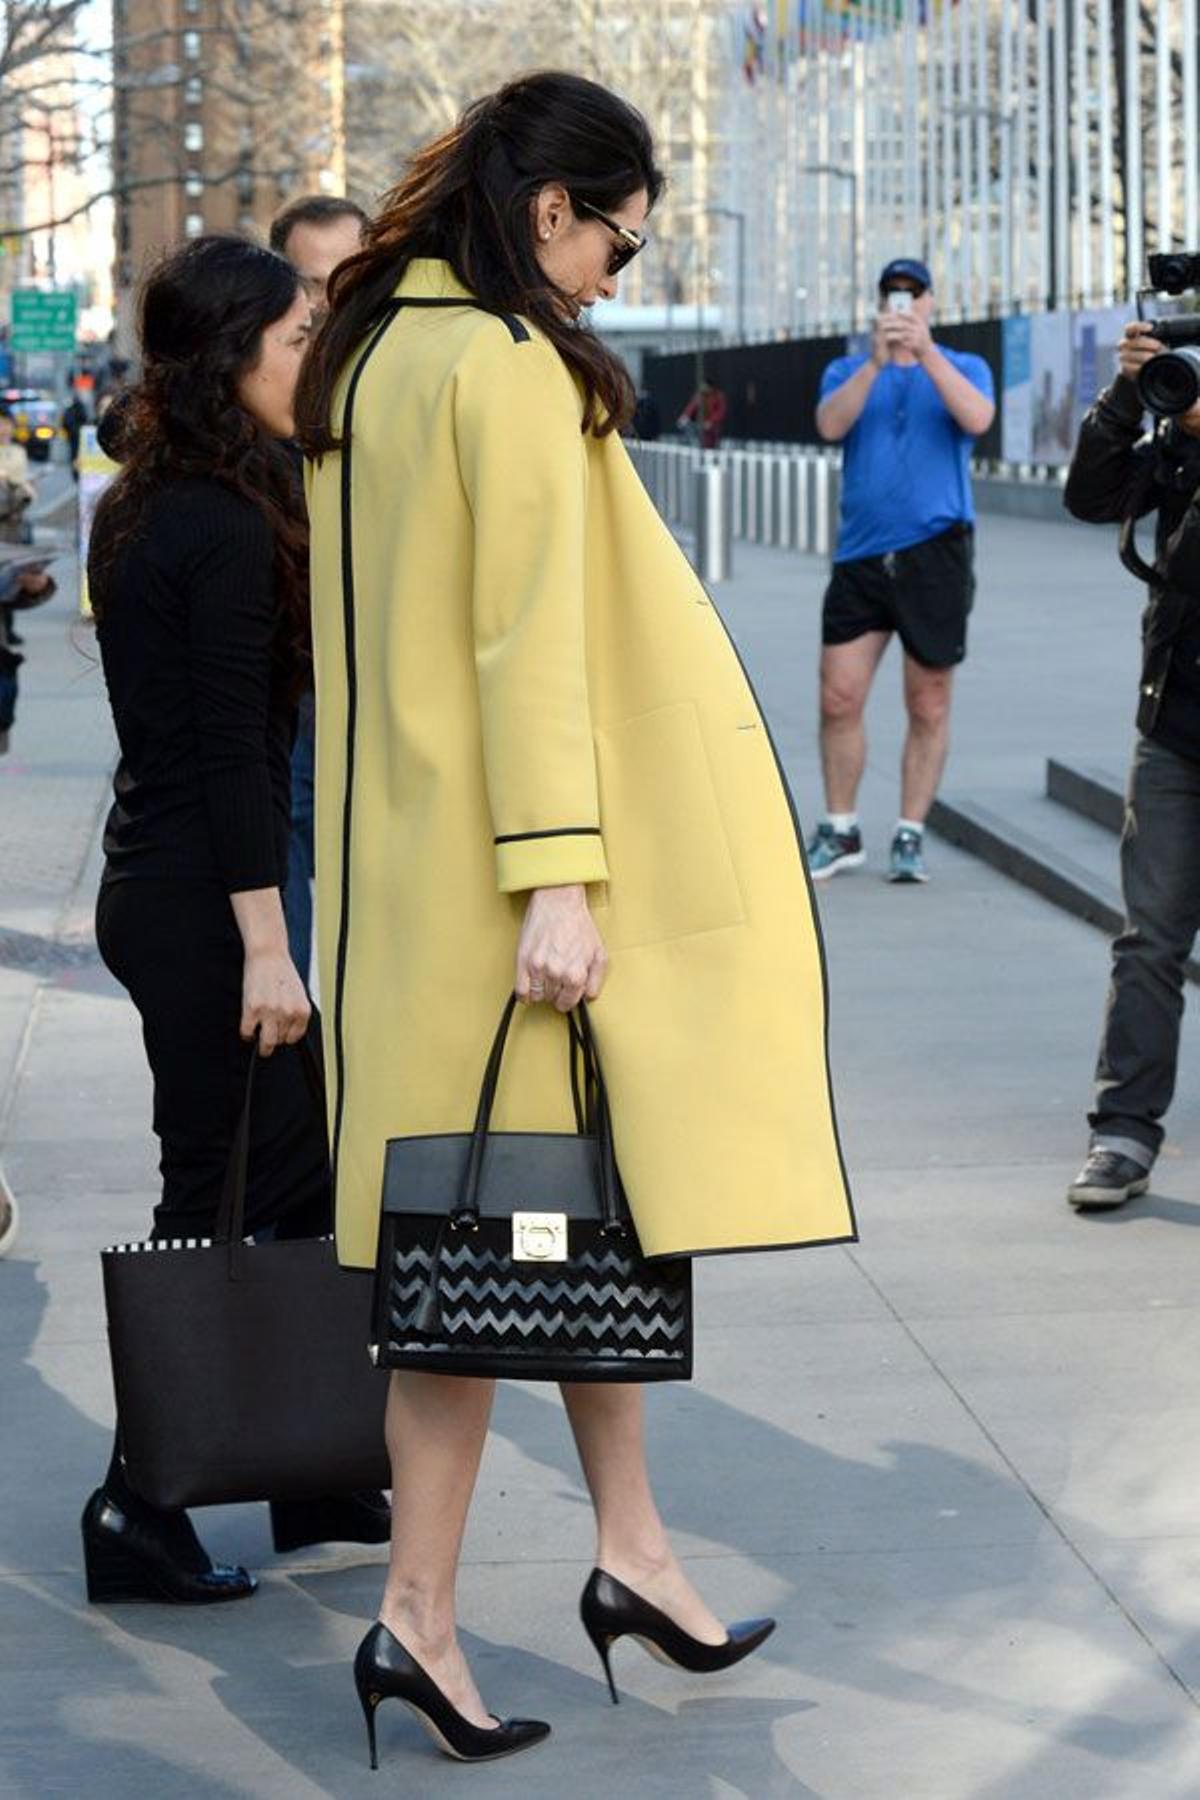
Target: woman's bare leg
x=436 y=1426
x=631 y=1540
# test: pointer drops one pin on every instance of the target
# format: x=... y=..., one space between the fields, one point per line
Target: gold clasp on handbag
x=539 y=1237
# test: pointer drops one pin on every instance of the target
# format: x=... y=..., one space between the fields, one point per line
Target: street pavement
x=959 y=1461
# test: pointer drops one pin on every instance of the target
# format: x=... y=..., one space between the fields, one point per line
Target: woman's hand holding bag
x=561 y=957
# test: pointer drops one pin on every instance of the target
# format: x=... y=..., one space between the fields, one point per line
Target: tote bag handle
x=465 y=1216
x=231 y=1211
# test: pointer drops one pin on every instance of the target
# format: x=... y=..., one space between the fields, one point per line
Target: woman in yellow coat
x=539 y=759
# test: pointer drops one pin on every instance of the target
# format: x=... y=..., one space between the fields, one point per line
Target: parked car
x=35 y=418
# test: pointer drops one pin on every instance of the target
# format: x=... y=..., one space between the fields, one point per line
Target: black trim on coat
x=852 y=1236
x=348 y=634
x=524 y=837
x=520 y=335
x=517 y=328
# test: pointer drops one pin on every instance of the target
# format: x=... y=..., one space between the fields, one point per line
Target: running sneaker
x=907 y=862
x=831 y=850
x=1107 y=1179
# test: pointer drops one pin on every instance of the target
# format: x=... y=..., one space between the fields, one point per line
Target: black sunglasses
x=630 y=241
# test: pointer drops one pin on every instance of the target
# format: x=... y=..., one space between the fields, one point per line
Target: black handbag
x=514 y=1253
x=239 y=1367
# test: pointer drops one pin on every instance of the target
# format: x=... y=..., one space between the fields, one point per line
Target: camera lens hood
x=1169 y=384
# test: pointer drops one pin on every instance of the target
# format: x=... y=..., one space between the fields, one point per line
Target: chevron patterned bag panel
x=605 y=1314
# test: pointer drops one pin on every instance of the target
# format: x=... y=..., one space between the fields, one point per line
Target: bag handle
x=465 y=1214
x=230 y=1228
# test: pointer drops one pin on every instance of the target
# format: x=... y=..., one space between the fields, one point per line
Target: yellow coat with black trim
x=528 y=686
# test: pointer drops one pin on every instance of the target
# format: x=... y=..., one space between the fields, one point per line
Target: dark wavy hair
x=467 y=198
x=202 y=315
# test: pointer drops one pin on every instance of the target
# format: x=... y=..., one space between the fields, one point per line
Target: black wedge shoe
x=364 y=1518
x=610 y=1610
x=384 y=1670
x=156 y=1556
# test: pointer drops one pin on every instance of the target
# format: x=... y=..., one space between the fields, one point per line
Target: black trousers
x=1160 y=881
x=175 y=947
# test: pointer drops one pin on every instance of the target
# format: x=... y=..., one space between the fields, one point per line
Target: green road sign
x=43 y=321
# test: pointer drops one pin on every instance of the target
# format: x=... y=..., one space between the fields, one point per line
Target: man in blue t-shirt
x=906 y=415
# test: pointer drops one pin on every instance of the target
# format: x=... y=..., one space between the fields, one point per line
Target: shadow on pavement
x=81 y=1710
x=81 y=1683
x=1147 y=1206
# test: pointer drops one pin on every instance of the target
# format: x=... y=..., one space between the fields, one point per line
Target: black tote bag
x=239 y=1368
x=514 y=1253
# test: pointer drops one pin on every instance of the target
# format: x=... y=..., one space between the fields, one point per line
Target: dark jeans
x=297 y=896
x=1160 y=880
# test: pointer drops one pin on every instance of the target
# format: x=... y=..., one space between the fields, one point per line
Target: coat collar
x=428 y=278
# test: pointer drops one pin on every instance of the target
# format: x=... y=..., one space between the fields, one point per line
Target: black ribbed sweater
x=190 y=644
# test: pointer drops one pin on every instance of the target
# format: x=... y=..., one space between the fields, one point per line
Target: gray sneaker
x=1107 y=1179
x=908 y=862
x=830 y=850
x=8 y=1217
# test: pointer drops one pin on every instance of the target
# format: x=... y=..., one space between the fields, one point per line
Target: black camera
x=1169 y=384
x=1174 y=271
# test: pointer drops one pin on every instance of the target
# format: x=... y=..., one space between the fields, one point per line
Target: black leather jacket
x=1118 y=471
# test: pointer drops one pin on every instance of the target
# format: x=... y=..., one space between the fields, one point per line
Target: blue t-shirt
x=905 y=463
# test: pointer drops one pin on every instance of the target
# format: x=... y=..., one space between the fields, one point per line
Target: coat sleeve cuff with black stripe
x=557 y=858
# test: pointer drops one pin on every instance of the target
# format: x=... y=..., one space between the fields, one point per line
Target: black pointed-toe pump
x=384 y=1670
x=610 y=1610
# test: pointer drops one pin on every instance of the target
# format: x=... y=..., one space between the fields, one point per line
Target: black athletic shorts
x=924 y=593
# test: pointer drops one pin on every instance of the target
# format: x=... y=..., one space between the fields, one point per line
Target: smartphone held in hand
x=900 y=301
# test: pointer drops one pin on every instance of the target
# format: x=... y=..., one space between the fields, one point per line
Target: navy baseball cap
x=906 y=268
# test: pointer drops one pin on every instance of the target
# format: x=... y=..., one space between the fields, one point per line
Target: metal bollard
x=737 y=506
x=781 y=501
x=647 y=467
x=820 y=506
x=669 y=484
x=766 y=500
x=750 y=497
x=800 y=508
x=688 y=494
x=711 y=495
x=651 y=467
x=682 y=465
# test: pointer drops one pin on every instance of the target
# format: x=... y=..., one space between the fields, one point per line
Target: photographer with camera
x=1118 y=473
x=907 y=415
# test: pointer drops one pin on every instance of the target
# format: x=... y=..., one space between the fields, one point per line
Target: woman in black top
x=198 y=577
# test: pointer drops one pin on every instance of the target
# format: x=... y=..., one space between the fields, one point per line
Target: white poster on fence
x=1017 y=412
x=1053 y=387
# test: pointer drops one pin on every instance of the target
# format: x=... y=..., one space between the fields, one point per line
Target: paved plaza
x=959 y=1461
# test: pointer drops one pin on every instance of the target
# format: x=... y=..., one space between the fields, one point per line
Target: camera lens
x=1169 y=384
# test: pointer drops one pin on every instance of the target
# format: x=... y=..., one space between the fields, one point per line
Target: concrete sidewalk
x=959 y=1461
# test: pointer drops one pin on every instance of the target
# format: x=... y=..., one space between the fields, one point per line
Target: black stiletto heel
x=610 y=1610
x=602 y=1643
x=369 y=1702
x=384 y=1670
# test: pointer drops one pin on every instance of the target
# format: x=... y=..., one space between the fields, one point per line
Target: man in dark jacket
x=1118 y=472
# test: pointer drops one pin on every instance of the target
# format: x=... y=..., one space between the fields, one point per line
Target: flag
x=754 y=47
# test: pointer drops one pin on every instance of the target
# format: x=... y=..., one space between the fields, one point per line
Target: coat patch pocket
x=670 y=868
